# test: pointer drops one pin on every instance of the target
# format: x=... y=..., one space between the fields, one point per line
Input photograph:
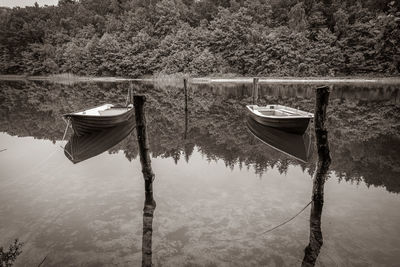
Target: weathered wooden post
x=321 y=134
x=324 y=160
x=185 y=81
x=130 y=95
x=255 y=90
x=148 y=175
x=140 y=116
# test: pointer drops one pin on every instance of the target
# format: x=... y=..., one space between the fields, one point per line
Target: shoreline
x=300 y=80
x=207 y=80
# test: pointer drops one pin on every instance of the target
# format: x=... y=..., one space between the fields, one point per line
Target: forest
x=141 y=38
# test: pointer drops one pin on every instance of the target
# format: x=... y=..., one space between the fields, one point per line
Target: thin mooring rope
x=271 y=229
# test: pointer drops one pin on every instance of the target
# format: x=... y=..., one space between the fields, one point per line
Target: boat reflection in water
x=80 y=148
x=295 y=145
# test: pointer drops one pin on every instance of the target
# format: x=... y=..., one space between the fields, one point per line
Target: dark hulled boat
x=99 y=118
x=295 y=145
x=281 y=117
x=80 y=148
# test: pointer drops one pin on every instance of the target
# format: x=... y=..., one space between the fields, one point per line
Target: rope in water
x=65 y=133
x=285 y=222
x=271 y=229
x=38 y=165
x=66 y=129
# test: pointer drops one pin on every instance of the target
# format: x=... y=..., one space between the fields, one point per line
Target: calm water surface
x=218 y=187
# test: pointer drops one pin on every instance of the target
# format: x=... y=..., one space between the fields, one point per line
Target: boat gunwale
x=308 y=116
x=66 y=115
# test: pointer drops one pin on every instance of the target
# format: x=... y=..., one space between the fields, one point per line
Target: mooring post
x=321 y=135
x=130 y=100
x=148 y=175
x=140 y=116
x=185 y=81
x=324 y=160
x=255 y=90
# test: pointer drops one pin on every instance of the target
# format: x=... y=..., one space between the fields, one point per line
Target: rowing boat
x=281 y=117
x=99 y=118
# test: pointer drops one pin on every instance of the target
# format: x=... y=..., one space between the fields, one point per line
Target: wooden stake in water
x=255 y=90
x=321 y=132
x=140 y=116
x=324 y=160
x=130 y=96
x=148 y=175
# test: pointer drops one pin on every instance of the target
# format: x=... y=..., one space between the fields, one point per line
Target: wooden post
x=321 y=134
x=130 y=100
x=185 y=89
x=255 y=90
x=186 y=93
x=148 y=213
x=148 y=175
x=324 y=160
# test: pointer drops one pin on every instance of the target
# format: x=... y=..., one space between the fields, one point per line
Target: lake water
x=218 y=188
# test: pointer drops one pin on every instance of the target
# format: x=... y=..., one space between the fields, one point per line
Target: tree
x=297 y=18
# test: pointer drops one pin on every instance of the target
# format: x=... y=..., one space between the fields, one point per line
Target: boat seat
x=288 y=112
x=95 y=111
x=112 y=111
x=272 y=112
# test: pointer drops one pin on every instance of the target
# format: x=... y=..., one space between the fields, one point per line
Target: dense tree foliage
x=134 y=38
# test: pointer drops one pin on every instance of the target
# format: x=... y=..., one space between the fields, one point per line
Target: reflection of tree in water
x=8 y=257
x=360 y=130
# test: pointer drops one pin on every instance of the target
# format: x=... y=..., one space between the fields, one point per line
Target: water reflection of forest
x=364 y=123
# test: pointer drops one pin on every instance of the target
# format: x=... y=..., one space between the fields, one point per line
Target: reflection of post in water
x=255 y=90
x=186 y=125
x=148 y=212
x=188 y=144
x=324 y=160
x=148 y=175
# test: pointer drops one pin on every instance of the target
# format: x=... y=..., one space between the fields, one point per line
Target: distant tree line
x=135 y=38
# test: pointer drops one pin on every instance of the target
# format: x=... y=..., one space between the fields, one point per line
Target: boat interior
x=278 y=110
x=105 y=110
